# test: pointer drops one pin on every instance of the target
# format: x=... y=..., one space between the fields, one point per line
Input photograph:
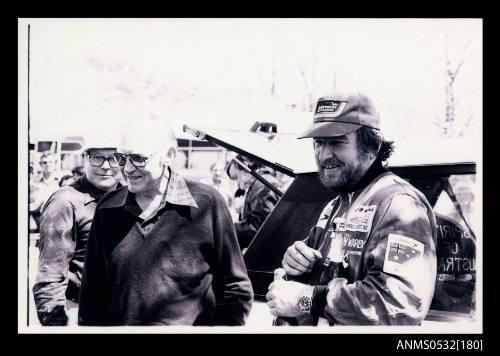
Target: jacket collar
x=374 y=171
x=177 y=193
x=83 y=185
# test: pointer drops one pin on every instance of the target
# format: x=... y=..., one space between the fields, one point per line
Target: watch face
x=304 y=304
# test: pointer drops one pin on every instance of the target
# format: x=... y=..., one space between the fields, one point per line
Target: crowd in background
x=48 y=178
x=44 y=181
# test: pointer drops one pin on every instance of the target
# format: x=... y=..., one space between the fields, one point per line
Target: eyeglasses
x=136 y=159
x=98 y=161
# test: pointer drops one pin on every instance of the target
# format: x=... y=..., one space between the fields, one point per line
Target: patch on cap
x=333 y=107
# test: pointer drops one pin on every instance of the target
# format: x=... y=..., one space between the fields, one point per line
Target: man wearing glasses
x=64 y=229
x=162 y=250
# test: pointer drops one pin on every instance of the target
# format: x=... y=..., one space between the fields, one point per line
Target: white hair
x=151 y=132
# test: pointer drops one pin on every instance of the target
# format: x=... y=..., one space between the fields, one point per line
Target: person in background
x=64 y=229
x=66 y=180
x=220 y=183
x=42 y=189
x=371 y=257
x=258 y=201
x=34 y=216
x=77 y=172
x=48 y=162
x=162 y=250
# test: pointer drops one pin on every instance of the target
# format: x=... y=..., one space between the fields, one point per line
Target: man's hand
x=283 y=296
x=299 y=258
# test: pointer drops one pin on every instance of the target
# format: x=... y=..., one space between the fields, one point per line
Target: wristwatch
x=304 y=303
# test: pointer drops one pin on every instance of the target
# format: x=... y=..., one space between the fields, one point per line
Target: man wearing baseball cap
x=370 y=259
x=64 y=229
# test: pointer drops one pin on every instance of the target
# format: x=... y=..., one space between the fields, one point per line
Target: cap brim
x=329 y=129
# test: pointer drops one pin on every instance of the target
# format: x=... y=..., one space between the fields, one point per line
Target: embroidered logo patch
x=360 y=219
x=332 y=107
x=401 y=253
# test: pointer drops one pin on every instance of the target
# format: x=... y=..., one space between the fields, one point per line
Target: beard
x=342 y=179
x=332 y=181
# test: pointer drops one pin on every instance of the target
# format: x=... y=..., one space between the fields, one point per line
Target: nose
x=325 y=153
x=105 y=164
x=129 y=167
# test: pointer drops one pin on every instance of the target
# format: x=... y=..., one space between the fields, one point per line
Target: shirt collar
x=53 y=178
x=177 y=193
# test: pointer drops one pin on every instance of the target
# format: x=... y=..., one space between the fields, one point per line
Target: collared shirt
x=41 y=191
x=53 y=178
x=176 y=193
x=64 y=229
x=182 y=265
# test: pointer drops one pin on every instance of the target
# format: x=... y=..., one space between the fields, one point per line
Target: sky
x=219 y=72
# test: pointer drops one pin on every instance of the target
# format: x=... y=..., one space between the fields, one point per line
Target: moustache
x=329 y=163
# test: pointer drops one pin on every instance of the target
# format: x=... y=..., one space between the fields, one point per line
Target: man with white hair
x=64 y=229
x=163 y=250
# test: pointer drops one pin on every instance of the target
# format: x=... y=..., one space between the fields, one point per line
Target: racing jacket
x=385 y=234
x=64 y=230
x=258 y=204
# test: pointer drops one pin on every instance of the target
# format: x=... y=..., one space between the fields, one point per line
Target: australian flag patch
x=401 y=253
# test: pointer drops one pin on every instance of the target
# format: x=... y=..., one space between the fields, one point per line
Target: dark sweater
x=182 y=266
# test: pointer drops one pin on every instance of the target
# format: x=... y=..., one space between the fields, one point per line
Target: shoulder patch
x=401 y=254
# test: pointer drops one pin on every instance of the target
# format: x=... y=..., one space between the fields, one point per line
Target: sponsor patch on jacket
x=401 y=253
x=325 y=214
x=360 y=219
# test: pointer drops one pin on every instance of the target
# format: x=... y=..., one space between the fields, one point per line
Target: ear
x=172 y=152
x=168 y=158
x=371 y=157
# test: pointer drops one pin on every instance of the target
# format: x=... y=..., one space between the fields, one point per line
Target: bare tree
x=452 y=70
x=308 y=77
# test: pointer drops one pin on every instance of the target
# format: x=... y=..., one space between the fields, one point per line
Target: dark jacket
x=258 y=204
x=387 y=277
x=180 y=267
x=64 y=229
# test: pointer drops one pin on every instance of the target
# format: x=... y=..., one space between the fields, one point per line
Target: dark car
x=445 y=171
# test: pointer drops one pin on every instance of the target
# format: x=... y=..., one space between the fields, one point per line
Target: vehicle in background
x=445 y=171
